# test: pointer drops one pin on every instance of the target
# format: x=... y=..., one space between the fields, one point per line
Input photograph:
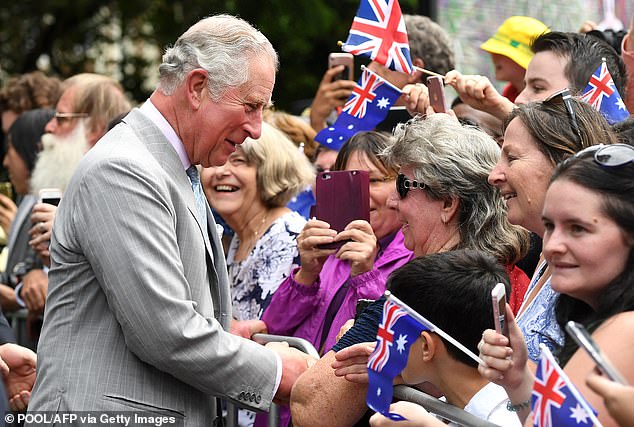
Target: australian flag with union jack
x=556 y=402
x=367 y=106
x=397 y=332
x=602 y=94
x=378 y=31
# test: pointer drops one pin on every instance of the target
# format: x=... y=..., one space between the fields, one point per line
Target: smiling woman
x=250 y=192
x=537 y=136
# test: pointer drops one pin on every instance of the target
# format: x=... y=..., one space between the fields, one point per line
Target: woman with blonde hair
x=250 y=192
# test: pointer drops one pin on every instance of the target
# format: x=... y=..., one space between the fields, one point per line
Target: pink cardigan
x=298 y=310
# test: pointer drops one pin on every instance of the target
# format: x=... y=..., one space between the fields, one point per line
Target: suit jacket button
x=252 y=397
x=241 y=395
x=258 y=399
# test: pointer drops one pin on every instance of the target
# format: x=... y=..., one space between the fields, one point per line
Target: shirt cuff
x=278 y=377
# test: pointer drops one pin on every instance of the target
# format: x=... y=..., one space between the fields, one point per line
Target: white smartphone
x=52 y=196
x=498 y=299
x=585 y=341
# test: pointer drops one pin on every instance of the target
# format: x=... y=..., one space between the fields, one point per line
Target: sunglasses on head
x=612 y=155
x=572 y=117
x=404 y=184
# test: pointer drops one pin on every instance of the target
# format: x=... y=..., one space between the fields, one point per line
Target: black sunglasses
x=403 y=185
x=612 y=155
x=572 y=117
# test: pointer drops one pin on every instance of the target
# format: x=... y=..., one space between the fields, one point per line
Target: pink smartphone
x=498 y=299
x=436 y=88
x=345 y=59
x=342 y=197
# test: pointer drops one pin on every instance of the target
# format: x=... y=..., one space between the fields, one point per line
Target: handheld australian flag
x=400 y=328
x=368 y=105
x=556 y=402
x=397 y=332
x=378 y=31
x=601 y=93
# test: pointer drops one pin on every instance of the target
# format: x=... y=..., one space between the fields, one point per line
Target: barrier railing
x=298 y=343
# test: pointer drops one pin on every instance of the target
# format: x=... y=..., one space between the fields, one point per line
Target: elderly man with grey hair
x=138 y=293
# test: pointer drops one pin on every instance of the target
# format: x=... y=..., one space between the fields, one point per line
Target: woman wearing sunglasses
x=588 y=241
x=537 y=136
x=321 y=295
x=442 y=202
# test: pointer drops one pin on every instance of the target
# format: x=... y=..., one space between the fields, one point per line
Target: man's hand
x=34 y=289
x=20 y=376
x=294 y=363
x=247 y=328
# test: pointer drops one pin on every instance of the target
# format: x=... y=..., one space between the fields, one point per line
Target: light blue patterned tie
x=201 y=203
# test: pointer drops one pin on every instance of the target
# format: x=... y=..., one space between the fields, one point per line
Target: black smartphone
x=498 y=299
x=585 y=341
x=51 y=196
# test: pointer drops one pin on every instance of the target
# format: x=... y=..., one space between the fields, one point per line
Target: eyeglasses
x=612 y=155
x=403 y=185
x=572 y=117
x=67 y=117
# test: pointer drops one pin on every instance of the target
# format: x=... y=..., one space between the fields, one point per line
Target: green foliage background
x=66 y=37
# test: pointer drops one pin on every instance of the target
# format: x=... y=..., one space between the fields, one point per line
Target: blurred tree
x=125 y=38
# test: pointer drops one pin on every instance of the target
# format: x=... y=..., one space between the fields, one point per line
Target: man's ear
x=196 y=84
x=449 y=209
x=93 y=135
x=428 y=345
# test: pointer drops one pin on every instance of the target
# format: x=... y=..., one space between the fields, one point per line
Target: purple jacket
x=298 y=310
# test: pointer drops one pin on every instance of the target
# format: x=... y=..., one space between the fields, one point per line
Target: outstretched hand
x=20 y=376
x=479 y=93
x=352 y=362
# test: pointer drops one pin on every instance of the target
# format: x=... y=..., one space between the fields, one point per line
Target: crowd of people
x=185 y=227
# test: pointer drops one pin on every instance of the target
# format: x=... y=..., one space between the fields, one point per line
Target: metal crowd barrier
x=438 y=407
x=274 y=418
x=401 y=392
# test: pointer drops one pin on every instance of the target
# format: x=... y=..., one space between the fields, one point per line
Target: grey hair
x=222 y=45
x=454 y=161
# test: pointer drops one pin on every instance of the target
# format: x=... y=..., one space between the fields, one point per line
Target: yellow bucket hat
x=514 y=37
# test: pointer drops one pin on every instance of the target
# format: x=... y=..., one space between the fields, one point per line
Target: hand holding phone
x=498 y=299
x=585 y=341
x=345 y=59
x=436 y=88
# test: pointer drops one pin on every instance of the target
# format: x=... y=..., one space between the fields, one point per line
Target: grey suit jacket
x=131 y=315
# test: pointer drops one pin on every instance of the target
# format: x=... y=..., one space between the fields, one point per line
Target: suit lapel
x=162 y=150
x=165 y=154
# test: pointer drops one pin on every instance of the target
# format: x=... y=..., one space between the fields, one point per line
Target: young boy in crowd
x=453 y=291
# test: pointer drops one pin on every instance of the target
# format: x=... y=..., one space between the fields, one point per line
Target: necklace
x=257 y=231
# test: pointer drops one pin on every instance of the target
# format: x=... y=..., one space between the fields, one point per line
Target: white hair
x=59 y=158
x=222 y=45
